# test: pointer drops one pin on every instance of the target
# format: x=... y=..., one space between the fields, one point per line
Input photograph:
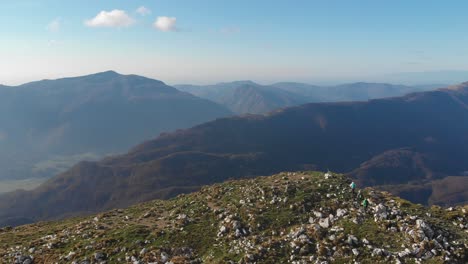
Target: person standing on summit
x=353 y=188
x=365 y=203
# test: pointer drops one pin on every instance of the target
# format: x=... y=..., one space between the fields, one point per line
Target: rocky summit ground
x=308 y=217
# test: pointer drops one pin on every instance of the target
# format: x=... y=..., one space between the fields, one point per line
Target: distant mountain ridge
x=422 y=136
x=244 y=97
x=100 y=113
x=360 y=91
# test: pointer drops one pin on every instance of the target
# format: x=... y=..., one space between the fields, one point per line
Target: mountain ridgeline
x=90 y=115
x=247 y=97
x=420 y=138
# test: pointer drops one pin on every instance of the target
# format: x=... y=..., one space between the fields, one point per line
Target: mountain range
x=247 y=97
x=418 y=139
x=46 y=126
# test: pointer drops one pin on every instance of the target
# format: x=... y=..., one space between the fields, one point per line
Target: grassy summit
x=286 y=218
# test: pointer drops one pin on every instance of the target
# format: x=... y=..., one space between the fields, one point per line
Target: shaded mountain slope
x=100 y=113
x=303 y=217
x=427 y=132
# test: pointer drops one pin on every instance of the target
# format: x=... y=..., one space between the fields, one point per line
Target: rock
x=70 y=255
x=100 y=256
x=427 y=255
x=143 y=251
x=380 y=211
x=297 y=233
x=236 y=225
x=355 y=252
x=324 y=222
x=352 y=241
x=24 y=260
x=250 y=257
x=147 y=214
x=425 y=228
x=304 y=250
x=222 y=230
x=164 y=257
x=182 y=217
x=238 y=233
x=404 y=253
x=377 y=252
x=341 y=212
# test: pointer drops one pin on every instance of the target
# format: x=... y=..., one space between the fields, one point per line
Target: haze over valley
x=56 y=131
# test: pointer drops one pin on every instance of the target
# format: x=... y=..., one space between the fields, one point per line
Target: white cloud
x=54 y=25
x=114 y=18
x=143 y=11
x=165 y=24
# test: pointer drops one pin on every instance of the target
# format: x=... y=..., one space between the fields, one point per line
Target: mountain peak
x=95 y=78
x=309 y=216
x=107 y=73
x=103 y=75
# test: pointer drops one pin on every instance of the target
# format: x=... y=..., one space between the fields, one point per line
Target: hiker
x=365 y=203
x=353 y=188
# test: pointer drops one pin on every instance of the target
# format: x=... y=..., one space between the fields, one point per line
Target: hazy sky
x=205 y=41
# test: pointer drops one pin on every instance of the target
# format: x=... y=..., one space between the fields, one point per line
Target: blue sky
x=201 y=41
